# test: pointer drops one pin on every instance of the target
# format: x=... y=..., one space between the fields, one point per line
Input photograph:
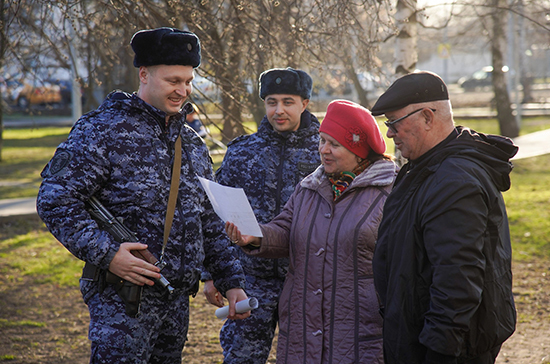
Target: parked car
x=9 y=90
x=479 y=79
x=66 y=87
x=46 y=94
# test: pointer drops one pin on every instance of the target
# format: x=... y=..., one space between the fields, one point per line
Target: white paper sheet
x=232 y=205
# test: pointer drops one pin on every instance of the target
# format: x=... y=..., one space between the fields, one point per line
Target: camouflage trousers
x=249 y=341
x=156 y=335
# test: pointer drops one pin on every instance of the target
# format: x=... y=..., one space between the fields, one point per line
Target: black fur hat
x=166 y=46
x=285 y=81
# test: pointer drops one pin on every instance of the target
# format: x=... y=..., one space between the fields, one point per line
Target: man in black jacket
x=442 y=264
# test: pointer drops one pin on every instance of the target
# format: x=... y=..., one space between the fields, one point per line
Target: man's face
x=166 y=87
x=284 y=111
x=409 y=134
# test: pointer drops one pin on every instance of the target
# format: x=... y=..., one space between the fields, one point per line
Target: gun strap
x=173 y=197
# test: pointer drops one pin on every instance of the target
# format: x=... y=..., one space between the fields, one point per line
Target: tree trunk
x=506 y=119
x=232 y=124
x=231 y=107
x=527 y=85
x=362 y=94
x=3 y=45
x=352 y=75
x=406 y=53
x=255 y=104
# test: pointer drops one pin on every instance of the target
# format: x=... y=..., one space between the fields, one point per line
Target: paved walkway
x=18 y=206
x=530 y=145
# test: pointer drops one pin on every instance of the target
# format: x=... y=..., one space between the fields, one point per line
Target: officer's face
x=166 y=87
x=284 y=111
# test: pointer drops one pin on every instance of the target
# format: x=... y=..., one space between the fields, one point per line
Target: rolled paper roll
x=241 y=307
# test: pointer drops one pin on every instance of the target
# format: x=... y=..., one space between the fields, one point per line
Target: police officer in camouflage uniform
x=267 y=165
x=122 y=153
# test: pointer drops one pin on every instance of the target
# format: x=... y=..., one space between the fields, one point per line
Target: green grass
x=527 y=204
x=24 y=155
x=490 y=126
x=6 y=323
x=7 y=357
x=27 y=248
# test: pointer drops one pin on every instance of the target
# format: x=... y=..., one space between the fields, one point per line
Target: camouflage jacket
x=123 y=153
x=268 y=165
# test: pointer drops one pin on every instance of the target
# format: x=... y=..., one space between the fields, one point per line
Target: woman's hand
x=237 y=238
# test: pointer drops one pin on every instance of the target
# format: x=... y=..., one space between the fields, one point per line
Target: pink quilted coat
x=328 y=309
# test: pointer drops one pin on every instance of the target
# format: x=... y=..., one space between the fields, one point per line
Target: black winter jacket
x=442 y=263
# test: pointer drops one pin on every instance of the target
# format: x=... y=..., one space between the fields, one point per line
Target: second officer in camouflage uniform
x=268 y=165
x=122 y=153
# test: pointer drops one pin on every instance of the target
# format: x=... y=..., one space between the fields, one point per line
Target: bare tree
x=406 y=54
x=347 y=37
x=406 y=51
x=243 y=38
x=506 y=119
x=43 y=33
x=240 y=39
x=4 y=21
x=493 y=16
x=486 y=24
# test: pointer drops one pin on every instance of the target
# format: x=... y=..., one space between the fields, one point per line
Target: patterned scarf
x=341 y=181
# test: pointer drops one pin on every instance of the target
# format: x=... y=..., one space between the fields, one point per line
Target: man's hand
x=235 y=295
x=135 y=270
x=213 y=296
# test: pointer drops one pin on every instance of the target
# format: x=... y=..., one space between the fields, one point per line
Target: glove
x=433 y=357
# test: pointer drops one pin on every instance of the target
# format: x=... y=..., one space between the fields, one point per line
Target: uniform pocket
x=88 y=289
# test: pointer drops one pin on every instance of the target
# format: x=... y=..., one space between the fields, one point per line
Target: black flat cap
x=285 y=81
x=413 y=88
x=166 y=46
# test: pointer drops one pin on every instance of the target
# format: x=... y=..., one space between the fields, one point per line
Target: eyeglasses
x=391 y=124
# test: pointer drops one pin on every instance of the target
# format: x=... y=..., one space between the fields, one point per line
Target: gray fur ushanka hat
x=285 y=81
x=167 y=46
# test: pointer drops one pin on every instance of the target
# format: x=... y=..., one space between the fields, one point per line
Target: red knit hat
x=354 y=127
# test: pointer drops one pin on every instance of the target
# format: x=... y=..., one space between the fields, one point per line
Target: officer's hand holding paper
x=231 y=205
x=240 y=307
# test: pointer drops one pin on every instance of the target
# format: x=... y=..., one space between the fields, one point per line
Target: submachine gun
x=130 y=293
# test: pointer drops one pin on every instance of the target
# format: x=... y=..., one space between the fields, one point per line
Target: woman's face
x=334 y=156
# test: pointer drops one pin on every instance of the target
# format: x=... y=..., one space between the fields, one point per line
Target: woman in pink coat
x=328 y=309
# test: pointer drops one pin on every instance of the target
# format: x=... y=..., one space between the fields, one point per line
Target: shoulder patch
x=59 y=161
